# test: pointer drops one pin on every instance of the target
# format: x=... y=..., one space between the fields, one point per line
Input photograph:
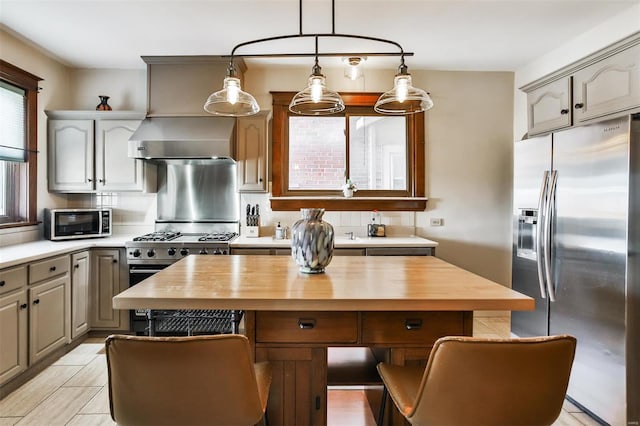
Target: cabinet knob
x=578 y=105
x=89 y=180
x=115 y=260
x=35 y=302
x=76 y=266
x=52 y=269
x=564 y=111
x=2 y=283
x=101 y=180
x=23 y=306
x=306 y=324
x=413 y=324
x=260 y=180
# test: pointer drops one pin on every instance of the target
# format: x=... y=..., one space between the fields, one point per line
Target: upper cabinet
x=253 y=149
x=606 y=83
x=87 y=152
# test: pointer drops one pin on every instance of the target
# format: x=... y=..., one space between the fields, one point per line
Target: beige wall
x=127 y=89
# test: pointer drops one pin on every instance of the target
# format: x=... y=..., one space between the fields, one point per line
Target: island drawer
x=421 y=328
x=48 y=268
x=12 y=278
x=306 y=327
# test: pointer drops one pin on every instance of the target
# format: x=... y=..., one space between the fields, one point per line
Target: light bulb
x=316 y=88
x=402 y=89
x=233 y=91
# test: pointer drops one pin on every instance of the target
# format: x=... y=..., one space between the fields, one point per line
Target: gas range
x=166 y=247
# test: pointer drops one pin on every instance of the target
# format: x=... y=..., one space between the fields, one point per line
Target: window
x=18 y=146
x=314 y=155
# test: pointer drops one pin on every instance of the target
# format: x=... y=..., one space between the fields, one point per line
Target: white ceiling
x=445 y=34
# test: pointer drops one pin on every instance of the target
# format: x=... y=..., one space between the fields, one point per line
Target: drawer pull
x=52 y=269
x=2 y=283
x=23 y=306
x=413 y=324
x=35 y=302
x=306 y=324
x=578 y=105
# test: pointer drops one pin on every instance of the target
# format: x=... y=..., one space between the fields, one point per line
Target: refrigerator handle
x=539 y=234
x=547 y=235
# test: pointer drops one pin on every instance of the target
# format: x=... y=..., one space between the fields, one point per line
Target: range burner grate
x=158 y=236
x=218 y=236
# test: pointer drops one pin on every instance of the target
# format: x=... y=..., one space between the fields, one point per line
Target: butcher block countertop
x=273 y=283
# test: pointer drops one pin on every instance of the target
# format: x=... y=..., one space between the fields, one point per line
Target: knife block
x=253 y=231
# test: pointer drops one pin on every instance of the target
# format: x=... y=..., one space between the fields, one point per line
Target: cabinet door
x=300 y=375
x=13 y=334
x=105 y=283
x=70 y=155
x=609 y=86
x=115 y=171
x=549 y=107
x=252 y=153
x=49 y=316
x=79 y=294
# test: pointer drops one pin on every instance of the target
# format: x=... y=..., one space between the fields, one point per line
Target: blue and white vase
x=312 y=242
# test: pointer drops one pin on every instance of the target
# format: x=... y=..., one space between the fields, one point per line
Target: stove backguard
x=198 y=190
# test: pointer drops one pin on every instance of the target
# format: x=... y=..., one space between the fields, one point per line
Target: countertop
x=340 y=242
x=360 y=283
x=27 y=252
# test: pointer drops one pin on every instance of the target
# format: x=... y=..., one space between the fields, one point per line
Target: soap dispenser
x=279 y=232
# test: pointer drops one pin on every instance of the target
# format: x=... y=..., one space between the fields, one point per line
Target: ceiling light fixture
x=354 y=67
x=316 y=99
x=403 y=99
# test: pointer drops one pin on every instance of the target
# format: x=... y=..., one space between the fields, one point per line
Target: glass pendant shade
x=316 y=99
x=403 y=99
x=231 y=100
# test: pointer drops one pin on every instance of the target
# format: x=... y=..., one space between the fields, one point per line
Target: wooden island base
x=398 y=307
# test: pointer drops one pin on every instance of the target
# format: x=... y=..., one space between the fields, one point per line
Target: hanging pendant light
x=316 y=99
x=231 y=100
x=403 y=99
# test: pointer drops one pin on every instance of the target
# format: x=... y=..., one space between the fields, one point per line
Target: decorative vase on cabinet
x=312 y=241
x=103 y=105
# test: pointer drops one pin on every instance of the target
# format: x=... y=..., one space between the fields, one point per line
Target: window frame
x=29 y=83
x=284 y=199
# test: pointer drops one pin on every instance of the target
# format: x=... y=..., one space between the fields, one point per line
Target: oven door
x=138 y=317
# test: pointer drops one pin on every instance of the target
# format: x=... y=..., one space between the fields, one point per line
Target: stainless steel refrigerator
x=576 y=224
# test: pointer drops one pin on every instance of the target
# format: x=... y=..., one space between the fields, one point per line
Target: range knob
x=184 y=251
x=203 y=251
x=151 y=253
x=136 y=253
x=171 y=251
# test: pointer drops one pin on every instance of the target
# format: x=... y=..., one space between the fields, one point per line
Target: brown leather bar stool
x=197 y=380
x=473 y=381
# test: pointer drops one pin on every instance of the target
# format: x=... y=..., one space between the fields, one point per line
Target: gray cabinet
x=87 y=152
x=79 y=294
x=549 y=107
x=253 y=152
x=107 y=279
x=49 y=306
x=604 y=84
x=609 y=86
x=13 y=322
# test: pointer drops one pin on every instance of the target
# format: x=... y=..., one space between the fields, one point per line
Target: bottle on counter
x=279 y=232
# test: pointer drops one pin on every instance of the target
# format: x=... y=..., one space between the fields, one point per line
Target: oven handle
x=144 y=271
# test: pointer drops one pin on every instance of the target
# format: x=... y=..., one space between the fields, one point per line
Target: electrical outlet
x=435 y=221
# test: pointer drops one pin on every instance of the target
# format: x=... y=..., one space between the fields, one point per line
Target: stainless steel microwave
x=69 y=224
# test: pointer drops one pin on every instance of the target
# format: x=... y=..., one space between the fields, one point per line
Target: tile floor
x=73 y=391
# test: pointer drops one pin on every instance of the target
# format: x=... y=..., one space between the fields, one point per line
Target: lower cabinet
x=108 y=278
x=13 y=334
x=79 y=294
x=49 y=314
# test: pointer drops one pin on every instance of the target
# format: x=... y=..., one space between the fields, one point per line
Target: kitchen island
x=402 y=304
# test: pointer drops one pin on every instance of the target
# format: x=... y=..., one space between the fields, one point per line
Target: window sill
x=349 y=204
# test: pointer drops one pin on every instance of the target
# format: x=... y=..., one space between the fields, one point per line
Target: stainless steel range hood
x=160 y=138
